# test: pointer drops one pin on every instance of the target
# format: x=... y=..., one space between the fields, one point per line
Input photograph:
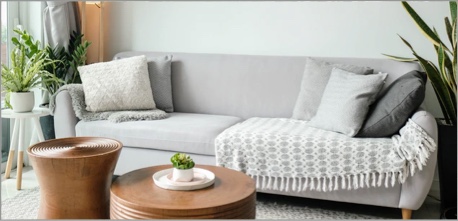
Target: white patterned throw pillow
x=346 y=100
x=117 y=85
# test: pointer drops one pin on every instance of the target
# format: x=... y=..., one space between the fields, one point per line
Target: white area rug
x=25 y=206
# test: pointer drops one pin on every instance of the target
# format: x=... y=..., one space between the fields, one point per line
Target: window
x=4 y=58
x=4 y=33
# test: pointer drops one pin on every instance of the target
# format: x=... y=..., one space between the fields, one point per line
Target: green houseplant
x=442 y=75
x=68 y=59
x=443 y=79
x=182 y=167
x=25 y=72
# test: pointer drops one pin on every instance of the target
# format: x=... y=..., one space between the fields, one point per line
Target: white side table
x=18 y=137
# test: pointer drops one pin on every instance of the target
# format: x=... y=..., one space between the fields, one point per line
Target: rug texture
x=25 y=206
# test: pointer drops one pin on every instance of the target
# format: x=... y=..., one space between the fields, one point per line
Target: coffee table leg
x=13 y=145
x=20 y=154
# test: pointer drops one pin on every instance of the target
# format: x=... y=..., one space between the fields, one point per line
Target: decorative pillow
x=160 y=76
x=117 y=85
x=346 y=100
x=391 y=111
x=314 y=80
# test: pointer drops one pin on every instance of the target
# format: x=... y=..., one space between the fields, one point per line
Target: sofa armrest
x=64 y=117
x=416 y=188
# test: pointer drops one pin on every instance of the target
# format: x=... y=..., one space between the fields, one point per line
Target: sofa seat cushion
x=180 y=132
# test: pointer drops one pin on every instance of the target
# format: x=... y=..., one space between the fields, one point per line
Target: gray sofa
x=212 y=92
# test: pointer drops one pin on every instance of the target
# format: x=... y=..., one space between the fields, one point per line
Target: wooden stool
x=75 y=176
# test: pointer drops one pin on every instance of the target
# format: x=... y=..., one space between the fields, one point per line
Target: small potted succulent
x=182 y=167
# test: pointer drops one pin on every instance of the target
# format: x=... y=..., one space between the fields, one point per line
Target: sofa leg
x=406 y=214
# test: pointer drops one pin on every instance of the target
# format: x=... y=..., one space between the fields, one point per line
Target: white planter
x=182 y=175
x=22 y=101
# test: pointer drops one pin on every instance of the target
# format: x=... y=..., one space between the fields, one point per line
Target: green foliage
x=442 y=75
x=182 y=161
x=66 y=68
x=27 y=65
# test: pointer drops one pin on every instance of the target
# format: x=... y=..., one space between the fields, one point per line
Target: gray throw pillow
x=346 y=100
x=160 y=76
x=391 y=111
x=314 y=80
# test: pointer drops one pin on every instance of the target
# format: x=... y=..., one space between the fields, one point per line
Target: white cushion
x=346 y=101
x=117 y=85
x=180 y=132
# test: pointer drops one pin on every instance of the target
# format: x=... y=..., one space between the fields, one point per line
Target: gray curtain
x=60 y=19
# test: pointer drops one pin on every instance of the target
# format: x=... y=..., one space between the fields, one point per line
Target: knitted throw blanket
x=279 y=151
x=79 y=106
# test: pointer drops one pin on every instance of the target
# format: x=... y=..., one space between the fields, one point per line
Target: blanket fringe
x=349 y=182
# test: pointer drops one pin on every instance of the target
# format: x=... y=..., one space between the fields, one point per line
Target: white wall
x=345 y=29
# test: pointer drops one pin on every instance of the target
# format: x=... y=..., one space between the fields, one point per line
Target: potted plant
x=24 y=73
x=182 y=167
x=65 y=70
x=443 y=79
x=70 y=59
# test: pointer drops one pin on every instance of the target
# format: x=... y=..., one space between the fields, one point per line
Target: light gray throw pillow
x=160 y=76
x=314 y=80
x=346 y=100
x=117 y=85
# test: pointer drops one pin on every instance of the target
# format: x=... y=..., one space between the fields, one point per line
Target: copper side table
x=74 y=175
x=135 y=196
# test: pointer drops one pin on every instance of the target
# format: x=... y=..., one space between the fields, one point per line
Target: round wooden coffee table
x=135 y=196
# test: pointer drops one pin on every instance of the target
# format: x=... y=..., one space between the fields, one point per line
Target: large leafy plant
x=26 y=69
x=70 y=59
x=442 y=75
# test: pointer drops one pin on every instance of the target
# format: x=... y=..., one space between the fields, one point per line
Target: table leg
x=20 y=154
x=36 y=123
x=13 y=144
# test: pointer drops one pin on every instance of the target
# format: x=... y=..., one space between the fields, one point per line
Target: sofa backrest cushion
x=249 y=85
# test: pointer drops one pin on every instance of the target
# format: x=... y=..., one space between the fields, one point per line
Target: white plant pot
x=182 y=175
x=22 y=101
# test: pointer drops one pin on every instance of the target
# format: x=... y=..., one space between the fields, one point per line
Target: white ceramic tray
x=202 y=178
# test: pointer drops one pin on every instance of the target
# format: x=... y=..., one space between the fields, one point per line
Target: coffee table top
x=138 y=190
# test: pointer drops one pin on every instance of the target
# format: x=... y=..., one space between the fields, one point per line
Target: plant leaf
x=397 y=58
x=446 y=100
x=453 y=11
x=424 y=28
x=450 y=30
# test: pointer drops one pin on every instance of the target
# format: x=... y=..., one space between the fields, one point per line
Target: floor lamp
x=92 y=28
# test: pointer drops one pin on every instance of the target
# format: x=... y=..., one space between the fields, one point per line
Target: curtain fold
x=60 y=19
